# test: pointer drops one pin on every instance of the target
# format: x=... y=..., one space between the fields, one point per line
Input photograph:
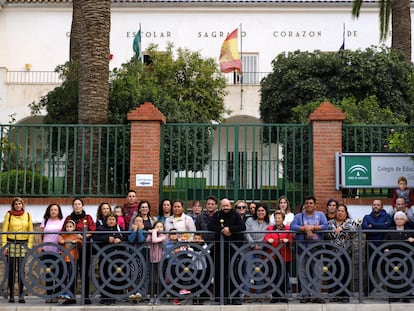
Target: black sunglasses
x=241 y=207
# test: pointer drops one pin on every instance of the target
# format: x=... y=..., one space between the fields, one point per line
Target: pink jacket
x=156 y=240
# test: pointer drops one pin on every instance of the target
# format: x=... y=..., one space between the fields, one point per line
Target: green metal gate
x=251 y=162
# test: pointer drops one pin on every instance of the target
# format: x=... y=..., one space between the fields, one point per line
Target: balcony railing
x=52 y=77
x=33 y=77
x=246 y=78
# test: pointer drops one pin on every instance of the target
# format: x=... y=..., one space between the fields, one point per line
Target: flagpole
x=241 y=73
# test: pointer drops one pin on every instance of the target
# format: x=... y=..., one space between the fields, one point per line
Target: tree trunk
x=94 y=62
x=401 y=27
x=93 y=77
x=75 y=31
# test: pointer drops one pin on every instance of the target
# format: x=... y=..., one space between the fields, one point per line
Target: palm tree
x=89 y=48
x=399 y=11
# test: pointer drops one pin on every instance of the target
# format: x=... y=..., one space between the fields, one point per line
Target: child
x=120 y=213
x=138 y=236
x=155 y=239
x=199 y=264
x=403 y=192
x=72 y=243
x=112 y=236
x=172 y=249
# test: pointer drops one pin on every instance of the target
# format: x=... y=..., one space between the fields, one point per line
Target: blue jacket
x=381 y=222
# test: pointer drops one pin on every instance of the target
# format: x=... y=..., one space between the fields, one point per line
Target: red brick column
x=146 y=123
x=327 y=140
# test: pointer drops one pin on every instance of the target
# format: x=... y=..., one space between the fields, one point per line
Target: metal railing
x=257 y=162
x=64 y=160
x=320 y=270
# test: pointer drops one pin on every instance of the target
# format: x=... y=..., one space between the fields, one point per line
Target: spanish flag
x=229 y=55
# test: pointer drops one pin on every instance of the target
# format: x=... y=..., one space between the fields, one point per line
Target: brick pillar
x=326 y=123
x=146 y=121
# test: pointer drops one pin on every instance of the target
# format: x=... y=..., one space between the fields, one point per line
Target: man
x=228 y=226
x=130 y=207
x=378 y=219
x=307 y=224
x=204 y=218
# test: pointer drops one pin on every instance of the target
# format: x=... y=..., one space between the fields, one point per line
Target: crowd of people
x=241 y=223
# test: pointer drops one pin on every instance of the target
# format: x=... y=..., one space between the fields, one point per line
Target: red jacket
x=278 y=237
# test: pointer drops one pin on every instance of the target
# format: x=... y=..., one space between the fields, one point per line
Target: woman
x=283 y=205
x=164 y=210
x=280 y=240
x=252 y=207
x=241 y=209
x=331 y=207
x=255 y=232
x=82 y=220
x=180 y=221
x=400 y=232
x=342 y=232
x=144 y=211
x=16 y=223
x=104 y=209
x=52 y=222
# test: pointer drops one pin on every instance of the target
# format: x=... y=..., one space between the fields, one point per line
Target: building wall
x=39 y=35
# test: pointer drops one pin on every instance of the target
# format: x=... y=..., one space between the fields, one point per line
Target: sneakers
x=185 y=292
x=136 y=296
x=176 y=302
x=65 y=296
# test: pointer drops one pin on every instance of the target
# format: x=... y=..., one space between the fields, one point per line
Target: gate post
x=146 y=121
x=326 y=123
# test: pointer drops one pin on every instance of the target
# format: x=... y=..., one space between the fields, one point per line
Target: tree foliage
x=365 y=111
x=302 y=77
x=185 y=88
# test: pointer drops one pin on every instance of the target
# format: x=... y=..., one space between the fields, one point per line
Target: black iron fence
x=210 y=273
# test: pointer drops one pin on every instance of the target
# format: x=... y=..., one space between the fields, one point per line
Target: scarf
x=77 y=217
x=16 y=213
x=281 y=227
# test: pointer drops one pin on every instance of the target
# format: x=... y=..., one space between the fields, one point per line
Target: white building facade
x=34 y=39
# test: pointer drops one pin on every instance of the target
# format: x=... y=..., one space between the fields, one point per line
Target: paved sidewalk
x=37 y=304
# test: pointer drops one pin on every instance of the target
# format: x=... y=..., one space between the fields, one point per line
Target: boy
x=403 y=192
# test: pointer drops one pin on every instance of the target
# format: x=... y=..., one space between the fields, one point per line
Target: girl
x=112 y=235
x=120 y=213
x=156 y=239
x=283 y=205
x=72 y=242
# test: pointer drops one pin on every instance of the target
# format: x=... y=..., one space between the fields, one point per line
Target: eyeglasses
x=241 y=207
